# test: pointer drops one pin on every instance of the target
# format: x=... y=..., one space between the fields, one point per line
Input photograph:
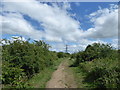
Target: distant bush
x=94 y=51
x=62 y=54
x=73 y=55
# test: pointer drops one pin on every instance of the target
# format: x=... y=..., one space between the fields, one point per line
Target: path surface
x=62 y=77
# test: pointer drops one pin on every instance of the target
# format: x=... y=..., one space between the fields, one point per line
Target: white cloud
x=12 y=39
x=58 y=24
x=77 y=3
x=115 y=43
x=105 y=23
x=56 y=21
x=74 y=47
x=58 y=47
x=15 y=24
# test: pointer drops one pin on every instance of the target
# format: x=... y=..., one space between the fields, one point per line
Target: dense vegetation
x=24 y=61
x=62 y=54
x=99 y=66
x=21 y=60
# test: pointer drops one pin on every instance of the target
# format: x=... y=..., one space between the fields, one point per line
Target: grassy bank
x=97 y=74
x=40 y=79
x=79 y=76
x=97 y=67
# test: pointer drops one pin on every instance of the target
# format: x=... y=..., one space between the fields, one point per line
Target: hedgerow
x=21 y=60
x=100 y=65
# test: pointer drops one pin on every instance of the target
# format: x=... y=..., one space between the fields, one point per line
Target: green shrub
x=60 y=54
x=22 y=60
x=102 y=73
x=94 y=51
x=100 y=65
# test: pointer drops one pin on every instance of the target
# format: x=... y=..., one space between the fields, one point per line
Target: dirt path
x=62 y=77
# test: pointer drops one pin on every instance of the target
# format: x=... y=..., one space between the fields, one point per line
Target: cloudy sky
x=76 y=24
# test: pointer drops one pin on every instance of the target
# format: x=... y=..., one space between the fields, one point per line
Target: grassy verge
x=77 y=74
x=79 y=77
x=40 y=79
x=100 y=73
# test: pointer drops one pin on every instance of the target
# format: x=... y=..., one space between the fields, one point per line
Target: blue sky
x=85 y=8
x=74 y=23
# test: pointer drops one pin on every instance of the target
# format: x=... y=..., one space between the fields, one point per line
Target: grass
x=40 y=79
x=105 y=69
x=78 y=75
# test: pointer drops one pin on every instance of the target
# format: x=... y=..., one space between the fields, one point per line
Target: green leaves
x=100 y=65
x=94 y=51
x=11 y=75
x=22 y=60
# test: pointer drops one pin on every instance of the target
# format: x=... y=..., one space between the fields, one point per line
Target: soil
x=62 y=77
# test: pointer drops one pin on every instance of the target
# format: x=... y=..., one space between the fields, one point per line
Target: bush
x=102 y=73
x=24 y=59
x=60 y=54
x=94 y=51
x=100 y=65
